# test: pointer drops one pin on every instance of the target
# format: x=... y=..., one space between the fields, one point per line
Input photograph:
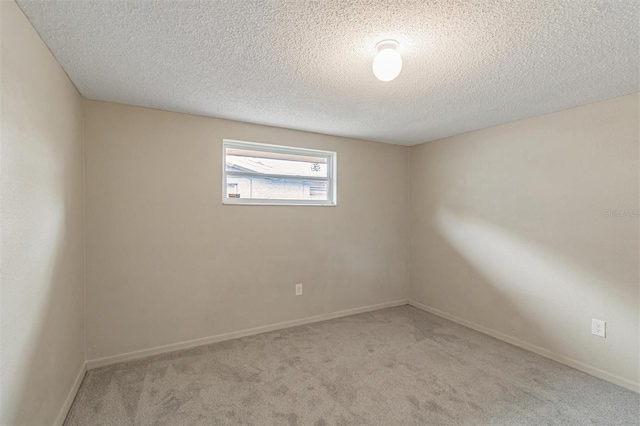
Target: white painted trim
x=585 y=368
x=284 y=149
x=102 y=362
x=62 y=415
x=278 y=176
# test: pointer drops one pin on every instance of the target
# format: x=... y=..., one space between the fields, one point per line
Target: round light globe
x=388 y=63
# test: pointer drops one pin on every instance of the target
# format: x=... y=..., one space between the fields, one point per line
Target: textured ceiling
x=307 y=64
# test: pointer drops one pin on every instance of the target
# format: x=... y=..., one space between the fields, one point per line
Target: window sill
x=253 y=203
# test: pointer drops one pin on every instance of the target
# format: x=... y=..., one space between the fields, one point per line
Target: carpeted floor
x=389 y=367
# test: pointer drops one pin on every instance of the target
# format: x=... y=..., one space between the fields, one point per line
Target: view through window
x=271 y=174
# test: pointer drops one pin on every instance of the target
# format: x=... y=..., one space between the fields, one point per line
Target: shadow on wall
x=456 y=247
x=514 y=285
x=45 y=299
x=517 y=267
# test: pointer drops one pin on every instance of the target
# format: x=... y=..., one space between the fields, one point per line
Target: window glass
x=271 y=174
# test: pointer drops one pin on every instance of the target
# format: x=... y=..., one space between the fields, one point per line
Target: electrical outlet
x=298 y=289
x=598 y=327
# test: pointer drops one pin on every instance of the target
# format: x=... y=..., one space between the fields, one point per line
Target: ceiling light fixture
x=388 y=63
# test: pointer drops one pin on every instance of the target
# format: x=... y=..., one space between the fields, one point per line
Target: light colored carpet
x=389 y=367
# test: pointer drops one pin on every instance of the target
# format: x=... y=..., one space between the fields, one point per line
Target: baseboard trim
x=62 y=415
x=585 y=368
x=130 y=356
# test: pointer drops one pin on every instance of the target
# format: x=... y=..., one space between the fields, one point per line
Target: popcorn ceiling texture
x=307 y=65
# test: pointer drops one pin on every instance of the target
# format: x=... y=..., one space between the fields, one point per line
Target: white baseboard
x=585 y=368
x=102 y=362
x=62 y=415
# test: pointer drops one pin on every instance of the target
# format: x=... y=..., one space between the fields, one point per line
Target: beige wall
x=167 y=262
x=41 y=257
x=509 y=230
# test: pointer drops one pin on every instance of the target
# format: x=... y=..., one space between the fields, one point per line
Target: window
x=255 y=173
x=232 y=190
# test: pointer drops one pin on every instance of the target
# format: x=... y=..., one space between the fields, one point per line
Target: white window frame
x=330 y=156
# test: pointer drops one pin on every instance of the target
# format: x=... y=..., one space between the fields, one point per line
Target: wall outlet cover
x=598 y=327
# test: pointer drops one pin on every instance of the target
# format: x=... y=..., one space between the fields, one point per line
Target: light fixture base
x=387 y=44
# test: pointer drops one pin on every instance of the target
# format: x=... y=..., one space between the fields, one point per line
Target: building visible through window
x=269 y=174
x=232 y=190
